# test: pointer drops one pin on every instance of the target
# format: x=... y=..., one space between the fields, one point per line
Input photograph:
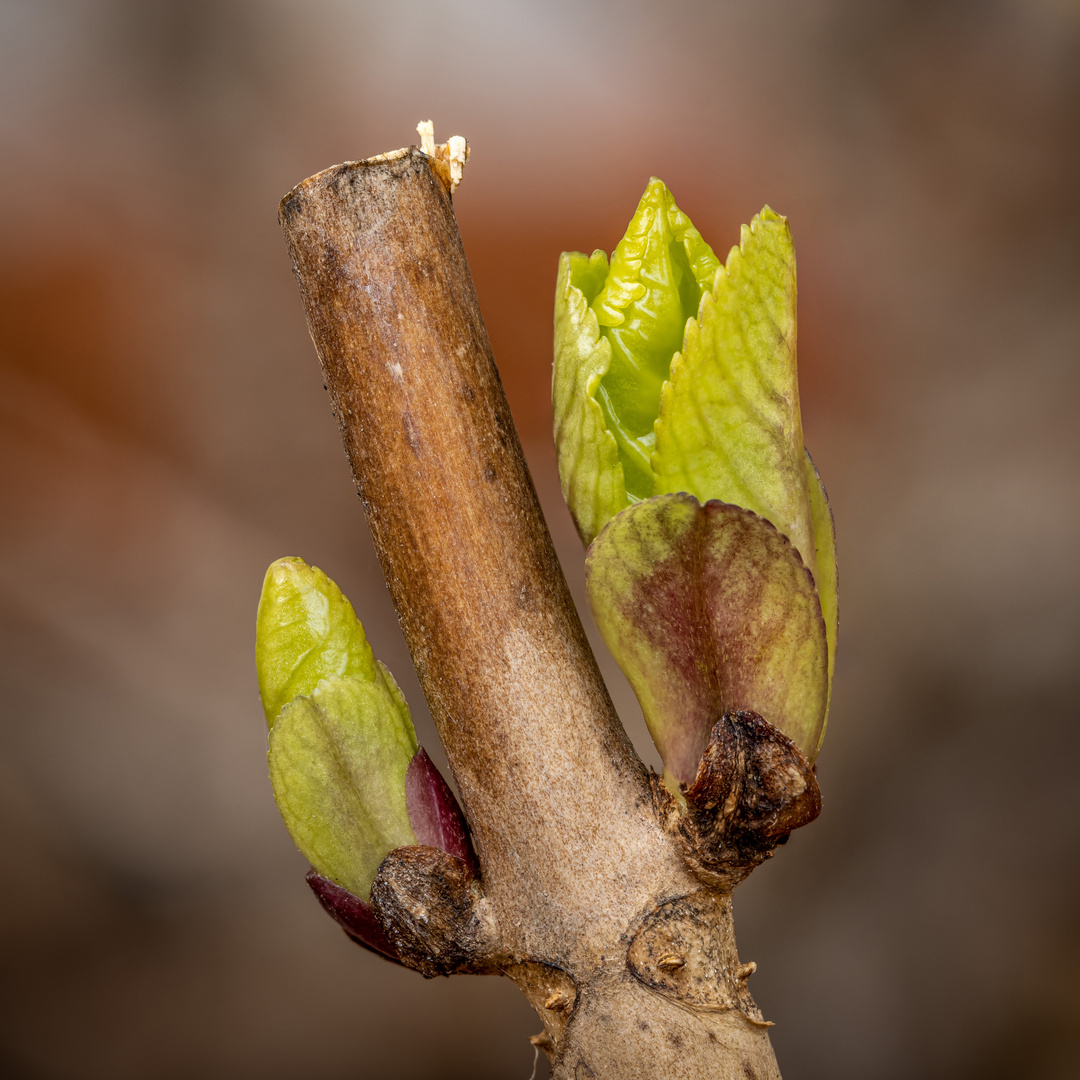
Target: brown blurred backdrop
x=165 y=435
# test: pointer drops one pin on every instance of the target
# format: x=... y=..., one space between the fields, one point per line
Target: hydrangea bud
x=675 y=390
x=348 y=777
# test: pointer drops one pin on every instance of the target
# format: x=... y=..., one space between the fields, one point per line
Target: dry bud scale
x=603 y=892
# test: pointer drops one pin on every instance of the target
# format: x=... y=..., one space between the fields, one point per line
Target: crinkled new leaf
x=729 y=425
x=616 y=330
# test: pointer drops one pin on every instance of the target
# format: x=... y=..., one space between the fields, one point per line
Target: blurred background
x=165 y=435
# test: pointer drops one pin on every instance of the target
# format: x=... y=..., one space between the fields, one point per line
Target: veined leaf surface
x=617 y=328
x=707 y=610
x=590 y=471
x=338 y=763
x=658 y=273
x=729 y=425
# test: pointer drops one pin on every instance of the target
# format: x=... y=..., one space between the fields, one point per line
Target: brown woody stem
x=574 y=858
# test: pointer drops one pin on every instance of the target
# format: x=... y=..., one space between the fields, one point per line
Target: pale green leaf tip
x=613 y=358
x=305 y=630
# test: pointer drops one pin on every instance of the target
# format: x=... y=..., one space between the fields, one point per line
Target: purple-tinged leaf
x=434 y=814
x=355 y=917
x=709 y=610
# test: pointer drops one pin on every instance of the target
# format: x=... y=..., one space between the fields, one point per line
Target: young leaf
x=338 y=763
x=589 y=467
x=617 y=328
x=709 y=610
x=655 y=283
x=305 y=630
x=826 y=576
x=729 y=425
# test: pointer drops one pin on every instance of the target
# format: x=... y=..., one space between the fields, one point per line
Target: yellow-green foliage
x=676 y=373
x=341 y=737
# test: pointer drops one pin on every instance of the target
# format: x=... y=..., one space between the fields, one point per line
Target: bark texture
x=608 y=906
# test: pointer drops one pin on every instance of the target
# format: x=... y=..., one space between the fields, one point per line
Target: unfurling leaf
x=729 y=425
x=617 y=328
x=658 y=274
x=674 y=373
x=589 y=467
x=709 y=610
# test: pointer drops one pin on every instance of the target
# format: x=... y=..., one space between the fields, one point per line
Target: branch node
x=552 y=992
x=684 y=950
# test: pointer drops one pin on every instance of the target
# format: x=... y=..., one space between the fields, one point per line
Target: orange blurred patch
x=71 y=320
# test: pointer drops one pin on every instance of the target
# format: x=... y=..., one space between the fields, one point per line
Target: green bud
x=305 y=630
x=341 y=736
x=674 y=373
